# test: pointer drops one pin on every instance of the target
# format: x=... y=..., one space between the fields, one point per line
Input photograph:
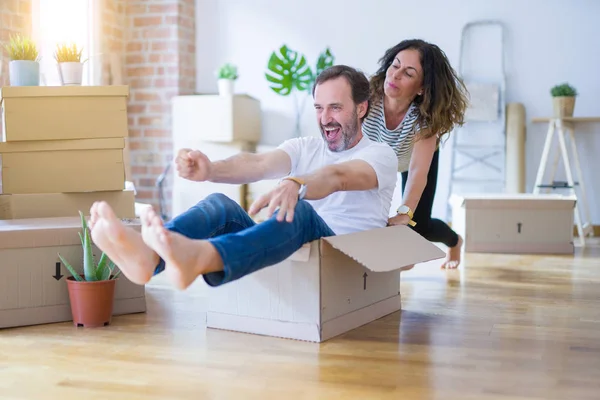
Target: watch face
x=403 y=209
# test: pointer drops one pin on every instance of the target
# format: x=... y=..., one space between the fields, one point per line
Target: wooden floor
x=503 y=327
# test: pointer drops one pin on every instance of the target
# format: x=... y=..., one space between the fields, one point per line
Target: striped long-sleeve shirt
x=401 y=138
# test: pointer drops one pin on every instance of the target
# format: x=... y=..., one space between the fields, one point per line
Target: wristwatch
x=302 y=191
x=405 y=210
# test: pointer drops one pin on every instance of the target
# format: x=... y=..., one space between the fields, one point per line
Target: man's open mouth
x=332 y=133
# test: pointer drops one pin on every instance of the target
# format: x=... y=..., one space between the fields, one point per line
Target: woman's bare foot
x=185 y=259
x=123 y=245
x=453 y=257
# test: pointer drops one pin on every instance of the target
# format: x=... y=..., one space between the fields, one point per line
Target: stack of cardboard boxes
x=62 y=149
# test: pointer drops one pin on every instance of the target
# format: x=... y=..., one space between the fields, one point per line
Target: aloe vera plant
x=101 y=271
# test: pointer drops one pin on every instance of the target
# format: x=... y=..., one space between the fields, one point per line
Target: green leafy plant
x=102 y=271
x=22 y=48
x=67 y=53
x=289 y=72
x=563 y=90
x=227 y=71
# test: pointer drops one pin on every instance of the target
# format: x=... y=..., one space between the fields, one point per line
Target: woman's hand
x=284 y=196
x=400 y=219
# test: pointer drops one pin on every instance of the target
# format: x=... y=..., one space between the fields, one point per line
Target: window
x=66 y=21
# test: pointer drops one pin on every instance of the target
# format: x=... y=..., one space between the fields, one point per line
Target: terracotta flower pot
x=91 y=302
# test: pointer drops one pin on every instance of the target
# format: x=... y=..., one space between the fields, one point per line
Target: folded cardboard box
x=31 y=292
x=328 y=287
x=49 y=205
x=519 y=223
x=63 y=112
x=63 y=166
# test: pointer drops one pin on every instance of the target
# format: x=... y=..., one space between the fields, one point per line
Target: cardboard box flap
x=44 y=232
x=66 y=91
x=513 y=201
x=60 y=145
x=386 y=249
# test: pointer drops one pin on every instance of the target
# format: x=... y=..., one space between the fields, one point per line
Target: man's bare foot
x=123 y=245
x=185 y=259
x=453 y=257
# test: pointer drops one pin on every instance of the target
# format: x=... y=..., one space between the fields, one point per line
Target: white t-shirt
x=349 y=211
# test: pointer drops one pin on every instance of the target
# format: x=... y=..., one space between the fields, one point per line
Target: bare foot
x=185 y=259
x=123 y=245
x=453 y=257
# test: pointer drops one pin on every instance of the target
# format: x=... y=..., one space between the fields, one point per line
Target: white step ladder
x=479 y=146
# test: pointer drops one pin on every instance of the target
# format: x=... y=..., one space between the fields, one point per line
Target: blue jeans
x=244 y=245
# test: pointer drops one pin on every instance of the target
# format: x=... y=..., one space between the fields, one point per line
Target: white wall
x=548 y=42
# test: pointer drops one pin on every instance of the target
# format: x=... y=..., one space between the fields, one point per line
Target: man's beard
x=348 y=133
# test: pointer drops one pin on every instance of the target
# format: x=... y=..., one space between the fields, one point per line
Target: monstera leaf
x=324 y=61
x=288 y=70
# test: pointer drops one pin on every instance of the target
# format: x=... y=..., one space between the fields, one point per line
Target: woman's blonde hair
x=444 y=100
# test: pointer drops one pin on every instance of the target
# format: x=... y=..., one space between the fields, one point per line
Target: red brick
x=163 y=8
x=134 y=59
x=134 y=46
x=164 y=45
x=24 y=7
x=139 y=170
x=147 y=21
x=140 y=71
x=147 y=182
x=150 y=121
x=157 y=133
x=146 y=96
x=144 y=194
x=159 y=33
x=133 y=109
x=159 y=108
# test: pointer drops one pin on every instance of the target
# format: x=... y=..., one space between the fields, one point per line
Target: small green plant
x=102 y=271
x=67 y=53
x=22 y=48
x=227 y=71
x=563 y=90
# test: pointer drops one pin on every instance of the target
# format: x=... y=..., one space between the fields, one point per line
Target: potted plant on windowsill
x=24 y=65
x=227 y=75
x=563 y=97
x=91 y=294
x=70 y=66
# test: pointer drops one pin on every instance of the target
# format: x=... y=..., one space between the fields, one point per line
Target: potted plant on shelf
x=70 y=66
x=227 y=75
x=24 y=65
x=91 y=294
x=563 y=97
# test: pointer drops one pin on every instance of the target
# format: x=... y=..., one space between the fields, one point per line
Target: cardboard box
x=515 y=223
x=328 y=287
x=50 y=205
x=30 y=294
x=217 y=118
x=63 y=112
x=63 y=166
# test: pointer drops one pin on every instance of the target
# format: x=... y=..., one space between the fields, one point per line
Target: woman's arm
x=420 y=161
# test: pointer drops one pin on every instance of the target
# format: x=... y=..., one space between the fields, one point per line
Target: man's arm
x=238 y=169
x=251 y=167
x=346 y=176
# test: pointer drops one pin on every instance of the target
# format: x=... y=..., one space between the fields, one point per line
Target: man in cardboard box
x=337 y=184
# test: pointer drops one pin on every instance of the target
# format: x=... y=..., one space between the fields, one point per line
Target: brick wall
x=158 y=48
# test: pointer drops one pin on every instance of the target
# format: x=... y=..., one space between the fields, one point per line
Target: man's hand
x=193 y=165
x=400 y=219
x=284 y=196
